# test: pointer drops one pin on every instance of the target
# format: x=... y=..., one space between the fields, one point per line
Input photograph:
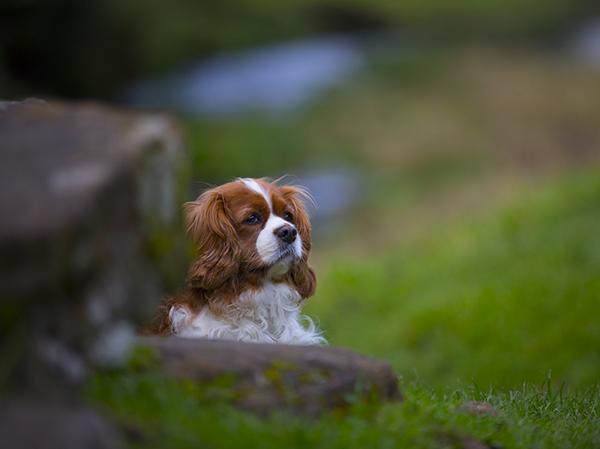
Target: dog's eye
x=288 y=217
x=252 y=219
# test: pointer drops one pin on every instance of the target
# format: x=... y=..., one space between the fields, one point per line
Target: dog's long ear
x=301 y=274
x=304 y=279
x=211 y=229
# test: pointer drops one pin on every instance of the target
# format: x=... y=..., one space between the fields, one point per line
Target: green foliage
x=496 y=302
x=253 y=147
x=93 y=48
x=142 y=358
x=167 y=413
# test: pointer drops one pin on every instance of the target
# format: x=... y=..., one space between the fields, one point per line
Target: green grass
x=496 y=301
x=162 y=413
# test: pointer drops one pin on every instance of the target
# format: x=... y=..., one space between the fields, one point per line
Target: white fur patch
x=179 y=318
x=269 y=315
x=268 y=244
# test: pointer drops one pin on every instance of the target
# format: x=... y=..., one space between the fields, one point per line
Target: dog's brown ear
x=301 y=274
x=304 y=279
x=211 y=229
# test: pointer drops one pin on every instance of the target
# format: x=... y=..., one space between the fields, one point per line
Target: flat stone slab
x=57 y=157
x=267 y=377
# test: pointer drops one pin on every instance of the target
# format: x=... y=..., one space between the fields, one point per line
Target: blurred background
x=452 y=148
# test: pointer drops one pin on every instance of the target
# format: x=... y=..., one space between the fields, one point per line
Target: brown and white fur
x=252 y=274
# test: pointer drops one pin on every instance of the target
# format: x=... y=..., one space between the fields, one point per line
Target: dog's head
x=250 y=226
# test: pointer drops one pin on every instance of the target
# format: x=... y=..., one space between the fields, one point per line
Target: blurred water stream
x=272 y=79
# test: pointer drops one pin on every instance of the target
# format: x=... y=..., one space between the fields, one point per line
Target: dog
x=252 y=274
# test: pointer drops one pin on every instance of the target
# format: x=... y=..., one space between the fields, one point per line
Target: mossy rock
x=268 y=377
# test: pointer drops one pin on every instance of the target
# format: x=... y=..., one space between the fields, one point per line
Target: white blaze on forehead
x=256 y=187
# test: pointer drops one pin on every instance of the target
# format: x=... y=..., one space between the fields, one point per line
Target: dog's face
x=246 y=226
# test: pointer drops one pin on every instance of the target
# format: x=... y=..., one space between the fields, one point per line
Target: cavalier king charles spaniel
x=252 y=273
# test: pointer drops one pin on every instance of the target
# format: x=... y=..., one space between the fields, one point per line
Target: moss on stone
x=142 y=358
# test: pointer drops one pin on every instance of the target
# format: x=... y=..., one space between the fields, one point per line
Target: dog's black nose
x=286 y=233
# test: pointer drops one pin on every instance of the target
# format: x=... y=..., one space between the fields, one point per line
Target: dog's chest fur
x=268 y=315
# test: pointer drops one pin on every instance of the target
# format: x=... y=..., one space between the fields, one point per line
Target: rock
x=267 y=377
x=33 y=425
x=480 y=408
x=86 y=192
x=473 y=443
x=458 y=439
